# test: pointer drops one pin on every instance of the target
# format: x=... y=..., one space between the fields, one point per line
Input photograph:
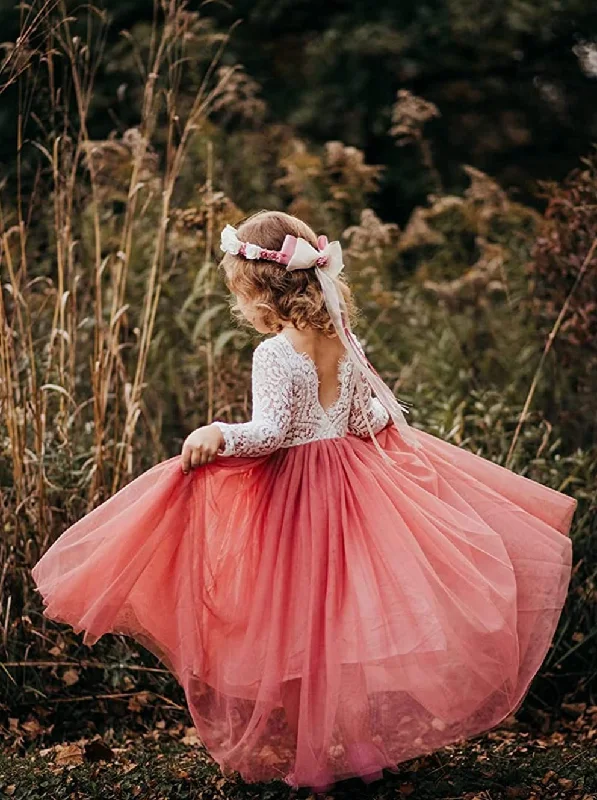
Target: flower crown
x=296 y=252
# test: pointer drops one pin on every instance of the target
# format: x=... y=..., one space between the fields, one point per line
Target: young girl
x=336 y=591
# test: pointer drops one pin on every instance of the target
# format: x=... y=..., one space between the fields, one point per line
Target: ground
x=162 y=759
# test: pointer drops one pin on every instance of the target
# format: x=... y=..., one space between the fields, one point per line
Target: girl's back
x=302 y=396
x=326 y=354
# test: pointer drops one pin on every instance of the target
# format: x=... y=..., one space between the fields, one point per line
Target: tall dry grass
x=76 y=326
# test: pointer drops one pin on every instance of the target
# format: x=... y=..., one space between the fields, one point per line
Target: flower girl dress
x=329 y=612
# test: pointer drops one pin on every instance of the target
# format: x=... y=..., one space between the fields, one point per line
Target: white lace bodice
x=286 y=407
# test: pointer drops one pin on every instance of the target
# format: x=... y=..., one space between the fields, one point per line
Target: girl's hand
x=201 y=446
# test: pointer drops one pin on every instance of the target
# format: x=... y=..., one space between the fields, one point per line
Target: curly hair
x=293 y=296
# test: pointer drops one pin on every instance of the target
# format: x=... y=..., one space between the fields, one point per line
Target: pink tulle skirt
x=329 y=614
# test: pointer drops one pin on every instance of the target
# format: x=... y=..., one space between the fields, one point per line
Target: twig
x=169 y=702
x=116 y=696
x=550 y=340
x=589 y=748
x=8 y=675
x=83 y=665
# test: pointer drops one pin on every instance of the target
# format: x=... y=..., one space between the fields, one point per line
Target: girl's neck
x=310 y=340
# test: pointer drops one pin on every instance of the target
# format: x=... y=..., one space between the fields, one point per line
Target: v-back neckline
x=342 y=364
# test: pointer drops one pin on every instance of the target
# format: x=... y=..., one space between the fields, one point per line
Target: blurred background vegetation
x=449 y=145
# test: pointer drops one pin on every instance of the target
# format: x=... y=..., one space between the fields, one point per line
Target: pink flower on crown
x=252 y=251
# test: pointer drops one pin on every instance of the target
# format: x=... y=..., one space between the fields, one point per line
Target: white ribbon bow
x=305 y=256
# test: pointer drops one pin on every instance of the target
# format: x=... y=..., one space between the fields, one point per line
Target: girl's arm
x=377 y=414
x=362 y=399
x=272 y=408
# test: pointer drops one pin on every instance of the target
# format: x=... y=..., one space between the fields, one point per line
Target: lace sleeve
x=362 y=398
x=272 y=408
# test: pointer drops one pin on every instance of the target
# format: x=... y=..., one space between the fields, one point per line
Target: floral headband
x=298 y=253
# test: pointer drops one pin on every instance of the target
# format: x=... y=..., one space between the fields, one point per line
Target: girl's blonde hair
x=281 y=296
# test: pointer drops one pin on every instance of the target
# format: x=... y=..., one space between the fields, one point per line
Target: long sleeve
x=272 y=408
x=377 y=414
x=362 y=398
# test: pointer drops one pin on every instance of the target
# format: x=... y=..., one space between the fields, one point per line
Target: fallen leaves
x=27 y=731
x=515 y=762
x=70 y=676
x=32 y=728
x=68 y=755
x=190 y=737
x=139 y=701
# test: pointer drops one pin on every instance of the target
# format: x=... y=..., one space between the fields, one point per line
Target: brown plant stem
x=548 y=345
x=82 y=665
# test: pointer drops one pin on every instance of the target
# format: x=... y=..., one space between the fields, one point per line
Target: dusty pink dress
x=328 y=612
